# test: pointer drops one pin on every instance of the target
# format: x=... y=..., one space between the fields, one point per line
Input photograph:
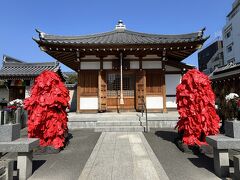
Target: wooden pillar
x=99 y=90
x=78 y=93
x=164 y=88
x=102 y=88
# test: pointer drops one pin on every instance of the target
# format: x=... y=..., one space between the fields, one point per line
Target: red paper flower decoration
x=196 y=107
x=47 y=117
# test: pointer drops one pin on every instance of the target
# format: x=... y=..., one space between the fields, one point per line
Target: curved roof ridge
x=78 y=37
x=33 y=64
x=73 y=37
x=163 y=35
x=10 y=59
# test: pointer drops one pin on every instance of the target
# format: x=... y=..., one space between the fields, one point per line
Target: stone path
x=122 y=155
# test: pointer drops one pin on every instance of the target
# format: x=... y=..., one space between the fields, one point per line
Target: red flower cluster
x=12 y=108
x=196 y=107
x=47 y=117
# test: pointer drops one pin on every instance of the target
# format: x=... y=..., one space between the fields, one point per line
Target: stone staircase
x=120 y=123
x=107 y=122
x=123 y=122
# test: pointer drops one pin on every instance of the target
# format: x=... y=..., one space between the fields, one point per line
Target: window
x=233 y=14
x=229 y=48
x=228 y=32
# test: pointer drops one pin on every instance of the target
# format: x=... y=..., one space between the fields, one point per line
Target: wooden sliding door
x=113 y=91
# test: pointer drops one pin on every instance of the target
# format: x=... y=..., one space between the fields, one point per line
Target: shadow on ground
x=37 y=164
x=202 y=161
x=68 y=163
x=177 y=164
x=170 y=135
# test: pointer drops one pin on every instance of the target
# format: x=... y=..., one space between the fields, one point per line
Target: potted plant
x=232 y=109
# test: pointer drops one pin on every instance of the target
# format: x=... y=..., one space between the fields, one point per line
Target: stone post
x=236 y=160
x=18 y=115
x=5 y=117
x=24 y=163
x=1 y=117
x=221 y=162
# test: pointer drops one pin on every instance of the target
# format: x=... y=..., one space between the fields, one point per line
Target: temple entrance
x=113 y=91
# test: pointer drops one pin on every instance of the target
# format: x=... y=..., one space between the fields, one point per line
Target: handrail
x=144 y=108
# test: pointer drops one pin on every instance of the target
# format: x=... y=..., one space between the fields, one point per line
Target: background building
x=211 y=57
x=231 y=35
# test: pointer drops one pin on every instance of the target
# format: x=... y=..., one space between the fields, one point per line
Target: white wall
x=73 y=99
x=27 y=91
x=151 y=64
x=154 y=102
x=234 y=24
x=90 y=65
x=107 y=65
x=88 y=103
x=171 y=102
x=171 y=68
x=172 y=80
x=134 y=64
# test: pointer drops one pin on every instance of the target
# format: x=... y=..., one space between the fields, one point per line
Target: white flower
x=231 y=96
x=16 y=102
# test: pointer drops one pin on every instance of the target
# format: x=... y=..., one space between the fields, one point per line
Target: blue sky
x=19 y=18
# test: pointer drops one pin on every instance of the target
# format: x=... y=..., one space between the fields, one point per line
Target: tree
x=47 y=117
x=72 y=78
x=196 y=107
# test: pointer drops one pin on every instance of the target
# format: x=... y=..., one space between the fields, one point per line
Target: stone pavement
x=120 y=156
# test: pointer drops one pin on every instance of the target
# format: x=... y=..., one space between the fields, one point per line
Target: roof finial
x=120 y=26
x=41 y=34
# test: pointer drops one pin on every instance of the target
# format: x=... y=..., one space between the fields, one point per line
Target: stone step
x=119 y=123
x=123 y=118
x=119 y=129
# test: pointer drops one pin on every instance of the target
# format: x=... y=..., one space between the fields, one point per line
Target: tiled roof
x=13 y=68
x=120 y=37
x=231 y=69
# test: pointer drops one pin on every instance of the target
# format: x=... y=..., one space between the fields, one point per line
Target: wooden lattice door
x=140 y=89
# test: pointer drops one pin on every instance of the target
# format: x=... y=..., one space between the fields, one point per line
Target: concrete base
x=221 y=162
x=24 y=164
x=236 y=160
